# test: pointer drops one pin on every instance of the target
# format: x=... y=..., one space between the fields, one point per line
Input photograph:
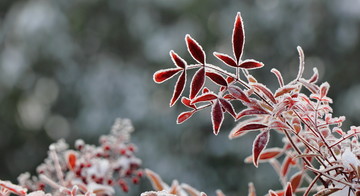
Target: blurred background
x=68 y=68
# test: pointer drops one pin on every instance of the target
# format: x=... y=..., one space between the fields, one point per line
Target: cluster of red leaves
x=304 y=120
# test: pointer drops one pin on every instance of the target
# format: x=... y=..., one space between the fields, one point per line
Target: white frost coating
x=158 y=193
x=38 y=193
x=350 y=160
x=99 y=167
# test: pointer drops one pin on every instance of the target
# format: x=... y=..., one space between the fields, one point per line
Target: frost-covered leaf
x=251 y=111
x=190 y=190
x=278 y=76
x=262 y=88
x=238 y=38
x=327 y=191
x=296 y=180
x=288 y=161
x=251 y=64
x=272 y=193
x=285 y=89
x=16 y=189
x=238 y=93
x=178 y=61
x=217 y=117
x=204 y=97
x=217 y=78
x=324 y=88
x=165 y=74
x=197 y=82
x=242 y=129
x=226 y=59
x=195 y=49
x=314 y=78
x=288 y=190
x=155 y=180
x=179 y=88
x=266 y=154
x=259 y=145
x=187 y=102
x=228 y=107
x=184 y=116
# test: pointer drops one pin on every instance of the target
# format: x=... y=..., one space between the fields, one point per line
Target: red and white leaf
x=217 y=117
x=266 y=155
x=242 y=129
x=187 y=102
x=204 y=97
x=259 y=145
x=155 y=180
x=272 y=193
x=251 y=112
x=165 y=74
x=16 y=189
x=238 y=93
x=285 y=89
x=296 y=180
x=314 y=78
x=288 y=161
x=288 y=190
x=278 y=76
x=262 y=88
x=190 y=190
x=197 y=82
x=184 y=116
x=313 y=88
x=179 y=88
x=178 y=61
x=228 y=107
x=238 y=38
x=195 y=49
x=278 y=125
x=324 y=88
x=217 y=78
x=226 y=59
x=252 y=190
x=251 y=64
x=230 y=79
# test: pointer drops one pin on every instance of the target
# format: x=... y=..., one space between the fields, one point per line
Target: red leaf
x=324 y=88
x=187 y=103
x=288 y=190
x=267 y=154
x=283 y=90
x=286 y=165
x=179 y=88
x=197 y=82
x=205 y=90
x=239 y=131
x=238 y=93
x=184 y=116
x=226 y=59
x=259 y=145
x=238 y=38
x=230 y=79
x=155 y=180
x=248 y=112
x=314 y=78
x=251 y=64
x=165 y=74
x=278 y=76
x=195 y=49
x=265 y=90
x=296 y=180
x=217 y=117
x=217 y=78
x=71 y=160
x=204 y=97
x=178 y=61
x=228 y=107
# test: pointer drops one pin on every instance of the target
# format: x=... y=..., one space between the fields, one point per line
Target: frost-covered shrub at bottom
x=325 y=157
x=86 y=170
